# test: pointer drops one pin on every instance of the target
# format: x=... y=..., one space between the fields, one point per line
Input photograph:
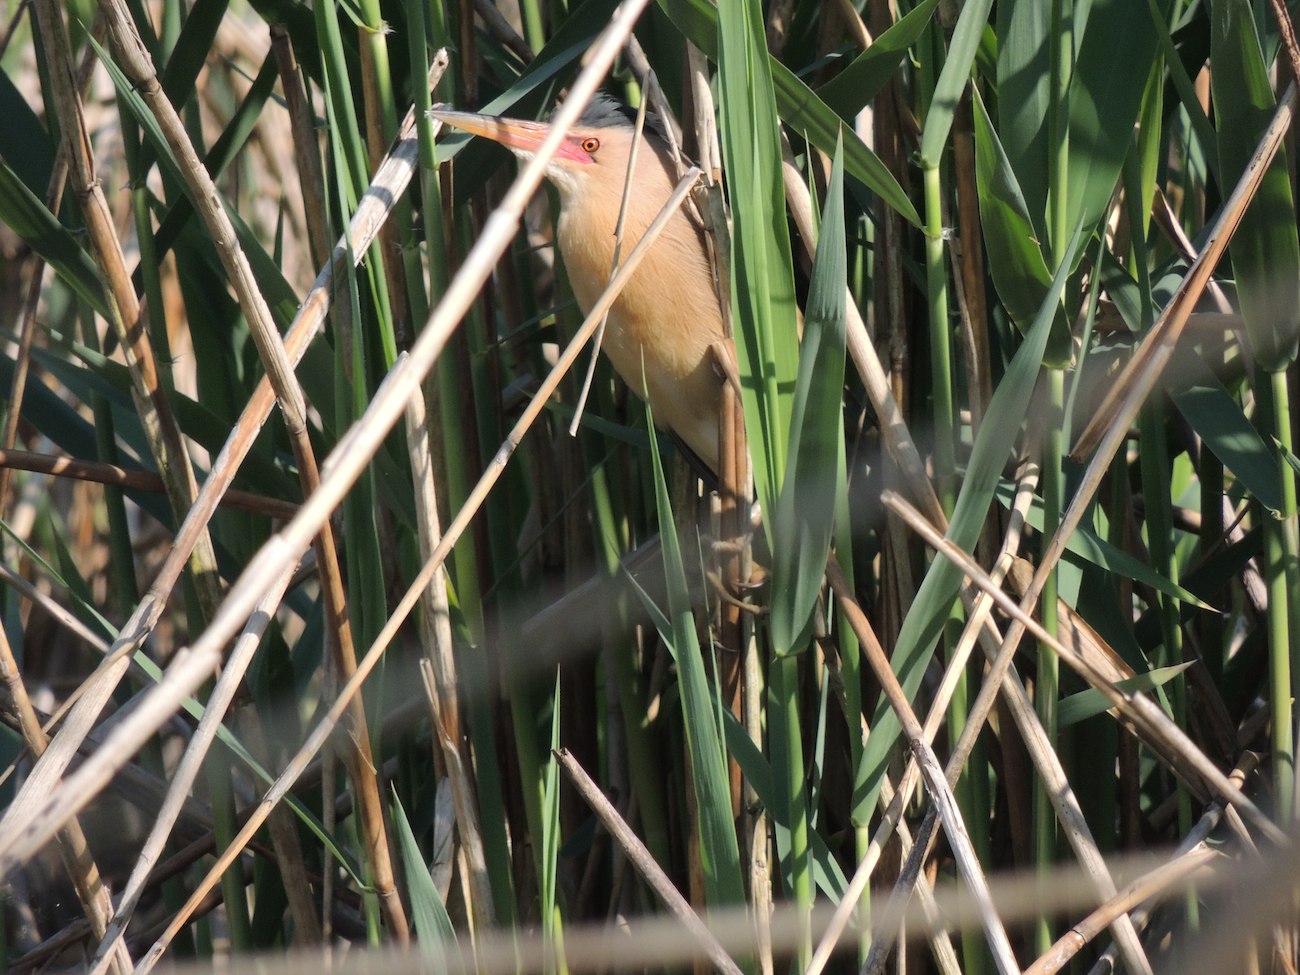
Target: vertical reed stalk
x=1047 y=681
x=1280 y=555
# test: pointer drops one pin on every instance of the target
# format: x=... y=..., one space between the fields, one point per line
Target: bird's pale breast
x=667 y=319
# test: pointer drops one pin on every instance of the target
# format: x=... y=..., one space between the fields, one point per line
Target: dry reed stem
x=1263 y=905
x=435 y=621
x=267 y=568
x=737 y=667
x=277 y=362
x=641 y=858
x=306 y=146
x=1163 y=216
x=1154 y=884
x=134 y=480
x=27 y=319
x=358 y=751
x=658 y=942
x=27 y=333
x=708 y=200
x=359 y=444
x=286 y=846
x=390 y=182
x=74 y=850
x=156 y=707
x=75 y=157
x=1287 y=30
x=134 y=783
x=941 y=947
x=182 y=780
x=1197 y=835
x=438 y=666
x=891 y=818
x=478 y=885
x=853 y=22
x=652 y=92
x=1047 y=763
x=619 y=225
x=60 y=614
x=182 y=859
x=1164 y=735
x=264 y=580
x=1109 y=426
x=983 y=604
x=138 y=66
x=126 y=314
x=1001 y=679
x=40 y=956
x=936 y=781
x=500 y=28
x=967 y=254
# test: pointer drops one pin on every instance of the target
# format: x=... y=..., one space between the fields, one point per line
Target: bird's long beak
x=521 y=136
x=512 y=133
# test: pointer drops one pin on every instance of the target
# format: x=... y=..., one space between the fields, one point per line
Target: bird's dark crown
x=604 y=111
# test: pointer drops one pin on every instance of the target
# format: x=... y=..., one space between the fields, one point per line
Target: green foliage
x=718 y=850
x=762 y=277
x=432 y=923
x=24 y=213
x=1032 y=135
x=933 y=601
x=805 y=509
x=1265 y=252
x=953 y=79
x=800 y=107
x=1016 y=261
x=854 y=88
x=1086 y=704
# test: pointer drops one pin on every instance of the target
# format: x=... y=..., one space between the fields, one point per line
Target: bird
x=665 y=334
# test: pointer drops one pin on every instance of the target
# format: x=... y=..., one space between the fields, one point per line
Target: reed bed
x=331 y=641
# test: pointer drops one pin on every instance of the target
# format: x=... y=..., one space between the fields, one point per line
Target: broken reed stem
x=891 y=818
x=1169 y=878
x=640 y=857
x=945 y=804
x=1139 y=709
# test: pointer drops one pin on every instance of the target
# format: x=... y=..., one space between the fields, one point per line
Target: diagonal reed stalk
x=240 y=144
x=432 y=564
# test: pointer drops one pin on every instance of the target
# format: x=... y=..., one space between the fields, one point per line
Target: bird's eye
x=590 y=144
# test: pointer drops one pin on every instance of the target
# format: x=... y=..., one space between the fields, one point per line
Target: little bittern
x=667 y=322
